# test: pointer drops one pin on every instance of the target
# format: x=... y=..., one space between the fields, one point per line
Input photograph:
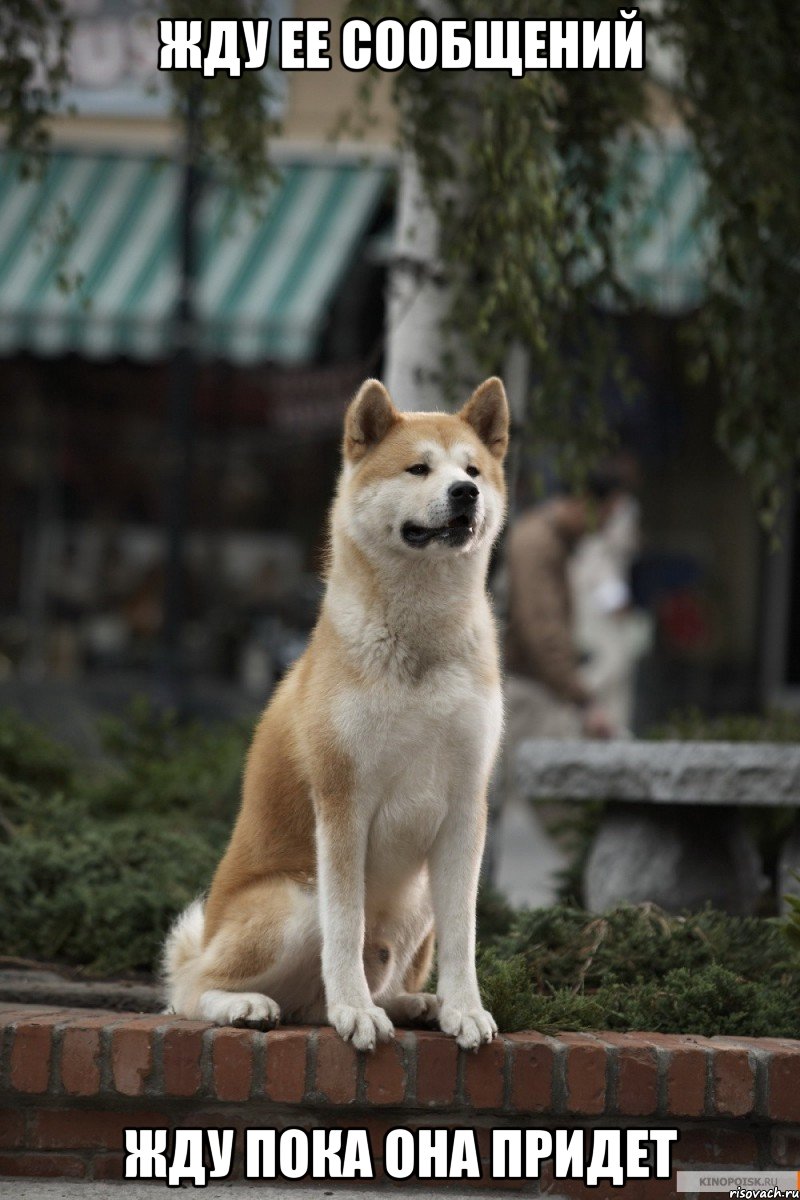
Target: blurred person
x=611 y=634
x=547 y=695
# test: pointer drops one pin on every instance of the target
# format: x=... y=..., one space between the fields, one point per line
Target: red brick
x=687 y=1072
x=532 y=1063
x=80 y=1061
x=483 y=1075
x=40 y=1166
x=734 y=1083
x=385 y=1073
x=285 y=1079
x=87 y=1129
x=108 y=1166
x=637 y=1073
x=232 y=1063
x=437 y=1061
x=784 y=1085
x=131 y=1059
x=31 y=1054
x=585 y=1074
x=337 y=1067
x=182 y=1048
x=12 y=1128
x=785 y=1147
x=709 y=1145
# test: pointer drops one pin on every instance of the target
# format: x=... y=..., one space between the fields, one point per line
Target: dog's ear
x=369 y=418
x=487 y=412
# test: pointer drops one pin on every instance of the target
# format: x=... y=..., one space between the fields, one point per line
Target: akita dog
x=364 y=799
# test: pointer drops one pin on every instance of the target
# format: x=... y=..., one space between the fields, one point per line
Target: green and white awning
x=662 y=243
x=88 y=257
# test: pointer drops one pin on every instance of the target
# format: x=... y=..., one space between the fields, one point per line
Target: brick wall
x=72 y=1080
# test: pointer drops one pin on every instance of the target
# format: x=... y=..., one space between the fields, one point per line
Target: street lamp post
x=182 y=383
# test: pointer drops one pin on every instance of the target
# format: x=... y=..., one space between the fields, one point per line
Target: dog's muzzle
x=462 y=498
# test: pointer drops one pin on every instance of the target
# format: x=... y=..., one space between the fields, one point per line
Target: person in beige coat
x=545 y=694
x=545 y=688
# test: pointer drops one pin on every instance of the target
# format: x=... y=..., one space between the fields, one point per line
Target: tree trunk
x=417 y=301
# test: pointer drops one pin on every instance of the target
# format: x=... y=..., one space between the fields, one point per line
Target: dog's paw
x=364 y=1027
x=469 y=1026
x=413 y=1006
x=251 y=1009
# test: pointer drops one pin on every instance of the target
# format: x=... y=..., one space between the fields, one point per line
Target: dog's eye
x=419 y=469
x=472 y=471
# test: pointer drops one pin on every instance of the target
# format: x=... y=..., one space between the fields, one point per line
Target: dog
x=363 y=812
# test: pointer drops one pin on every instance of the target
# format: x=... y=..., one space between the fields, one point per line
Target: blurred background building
x=289 y=311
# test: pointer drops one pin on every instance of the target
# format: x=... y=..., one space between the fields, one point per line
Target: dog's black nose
x=462 y=494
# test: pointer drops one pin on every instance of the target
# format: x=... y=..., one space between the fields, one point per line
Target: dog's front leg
x=341 y=857
x=454 y=866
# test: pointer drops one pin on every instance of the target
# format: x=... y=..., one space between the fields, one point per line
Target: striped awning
x=89 y=257
x=662 y=243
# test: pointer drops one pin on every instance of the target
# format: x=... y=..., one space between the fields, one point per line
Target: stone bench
x=672 y=832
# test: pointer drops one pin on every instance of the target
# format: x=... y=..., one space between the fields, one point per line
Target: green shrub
x=100 y=894
x=158 y=764
x=710 y=1002
x=692 y=725
x=30 y=756
x=96 y=860
x=567 y=947
x=638 y=968
x=95 y=863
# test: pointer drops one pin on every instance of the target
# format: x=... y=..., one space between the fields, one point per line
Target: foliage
x=162 y=765
x=742 y=105
x=692 y=725
x=96 y=861
x=100 y=894
x=519 y=173
x=28 y=754
x=34 y=36
x=567 y=947
x=792 y=923
x=637 y=968
x=233 y=113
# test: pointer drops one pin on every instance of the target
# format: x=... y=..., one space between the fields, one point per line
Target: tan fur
x=417 y=974
x=301 y=791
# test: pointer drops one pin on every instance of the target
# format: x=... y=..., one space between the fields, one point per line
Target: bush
x=638 y=968
x=96 y=860
x=691 y=725
x=159 y=765
x=30 y=756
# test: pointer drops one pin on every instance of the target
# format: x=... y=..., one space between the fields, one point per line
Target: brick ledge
x=71 y=1079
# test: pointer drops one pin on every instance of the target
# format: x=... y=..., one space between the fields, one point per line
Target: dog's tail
x=182 y=950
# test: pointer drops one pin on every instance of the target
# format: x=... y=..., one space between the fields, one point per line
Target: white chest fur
x=416 y=750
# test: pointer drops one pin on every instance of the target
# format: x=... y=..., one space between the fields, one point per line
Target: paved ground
x=527 y=858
